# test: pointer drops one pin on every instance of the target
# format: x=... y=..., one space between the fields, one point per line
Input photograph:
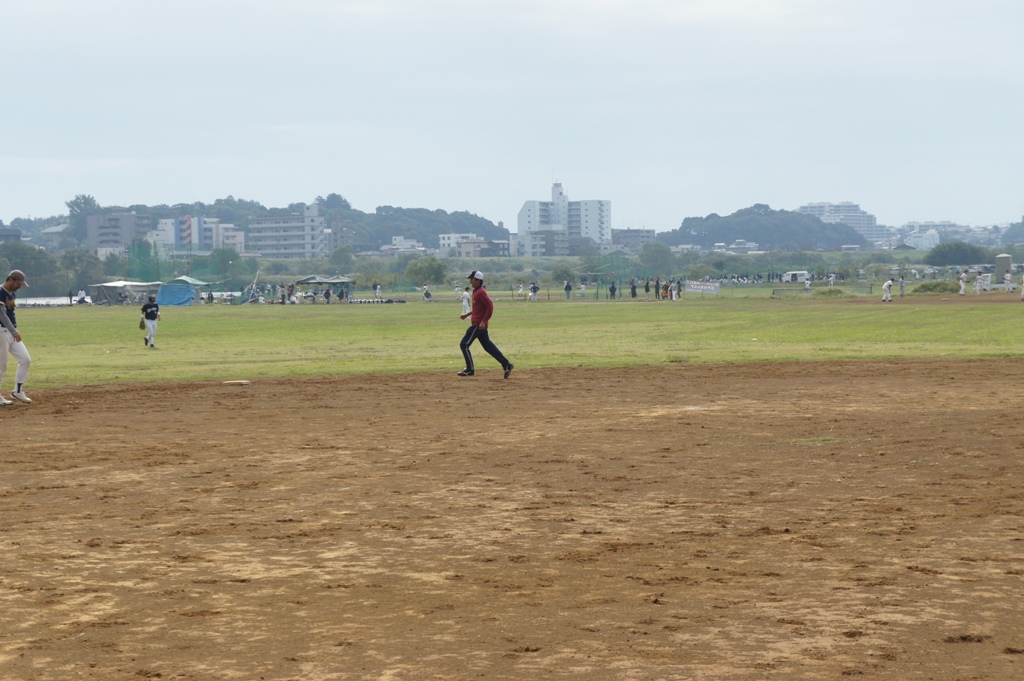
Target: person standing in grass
x=151 y=314
x=10 y=340
x=483 y=308
x=887 y=291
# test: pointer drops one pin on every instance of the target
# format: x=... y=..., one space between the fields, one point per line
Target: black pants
x=475 y=333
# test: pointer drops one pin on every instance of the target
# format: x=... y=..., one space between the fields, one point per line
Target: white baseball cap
x=476 y=275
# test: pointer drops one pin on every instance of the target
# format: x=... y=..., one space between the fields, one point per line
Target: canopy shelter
x=324 y=281
x=337 y=282
x=123 y=292
x=192 y=281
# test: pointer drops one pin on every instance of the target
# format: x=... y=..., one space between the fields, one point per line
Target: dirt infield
x=757 y=521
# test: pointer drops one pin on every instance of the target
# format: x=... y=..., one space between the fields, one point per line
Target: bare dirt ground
x=758 y=521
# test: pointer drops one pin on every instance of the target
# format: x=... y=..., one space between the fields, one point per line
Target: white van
x=795 y=277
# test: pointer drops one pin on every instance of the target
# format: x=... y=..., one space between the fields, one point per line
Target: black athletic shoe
x=465 y=372
x=145 y=340
x=508 y=369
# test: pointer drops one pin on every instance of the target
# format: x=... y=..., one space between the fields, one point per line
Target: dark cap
x=18 y=275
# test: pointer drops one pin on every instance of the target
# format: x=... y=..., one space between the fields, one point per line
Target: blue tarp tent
x=180 y=291
x=175 y=294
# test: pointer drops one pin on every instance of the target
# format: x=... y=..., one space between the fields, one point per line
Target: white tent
x=120 y=292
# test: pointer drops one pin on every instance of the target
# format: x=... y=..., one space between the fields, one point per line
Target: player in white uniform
x=887 y=291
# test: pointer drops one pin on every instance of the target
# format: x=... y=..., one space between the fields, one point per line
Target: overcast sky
x=667 y=108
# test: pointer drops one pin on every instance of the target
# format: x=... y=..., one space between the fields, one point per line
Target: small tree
x=562 y=272
x=80 y=207
x=657 y=258
x=83 y=267
x=115 y=266
x=957 y=253
x=341 y=259
x=428 y=270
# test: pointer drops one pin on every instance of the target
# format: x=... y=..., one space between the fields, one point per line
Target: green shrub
x=834 y=292
x=932 y=287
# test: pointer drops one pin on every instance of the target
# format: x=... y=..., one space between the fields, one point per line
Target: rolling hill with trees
x=770 y=229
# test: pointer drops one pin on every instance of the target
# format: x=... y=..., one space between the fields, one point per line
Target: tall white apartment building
x=298 y=235
x=591 y=219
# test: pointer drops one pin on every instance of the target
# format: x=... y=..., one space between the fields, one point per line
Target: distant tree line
x=801 y=239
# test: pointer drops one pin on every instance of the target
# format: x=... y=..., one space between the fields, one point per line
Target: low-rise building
x=923 y=240
x=52 y=236
x=401 y=245
x=632 y=240
x=544 y=243
x=482 y=248
x=449 y=244
x=743 y=246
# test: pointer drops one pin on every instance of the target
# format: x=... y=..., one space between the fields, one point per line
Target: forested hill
x=375 y=229
x=769 y=229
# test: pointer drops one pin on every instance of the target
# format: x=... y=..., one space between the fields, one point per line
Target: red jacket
x=483 y=307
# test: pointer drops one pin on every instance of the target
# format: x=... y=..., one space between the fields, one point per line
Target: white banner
x=702 y=287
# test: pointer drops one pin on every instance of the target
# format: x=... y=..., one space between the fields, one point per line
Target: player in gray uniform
x=10 y=340
x=151 y=314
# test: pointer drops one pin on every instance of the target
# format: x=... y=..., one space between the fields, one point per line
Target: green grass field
x=86 y=345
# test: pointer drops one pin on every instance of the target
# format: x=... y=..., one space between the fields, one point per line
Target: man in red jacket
x=482 y=310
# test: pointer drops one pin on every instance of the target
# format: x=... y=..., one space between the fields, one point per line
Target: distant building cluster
x=921 y=236
x=555 y=228
x=180 y=237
